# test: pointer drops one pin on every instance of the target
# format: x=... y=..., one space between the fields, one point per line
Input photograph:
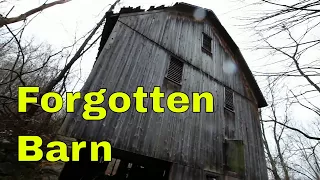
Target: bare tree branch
x=294 y=129
x=22 y=17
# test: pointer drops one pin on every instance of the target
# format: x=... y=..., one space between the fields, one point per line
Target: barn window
x=206 y=44
x=175 y=70
x=228 y=99
x=234 y=156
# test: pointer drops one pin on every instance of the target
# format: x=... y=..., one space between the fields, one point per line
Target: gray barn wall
x=194 y=141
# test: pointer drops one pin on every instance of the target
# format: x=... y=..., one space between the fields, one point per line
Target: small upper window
x=175 y=70
x=206 y=44
x=228 y=99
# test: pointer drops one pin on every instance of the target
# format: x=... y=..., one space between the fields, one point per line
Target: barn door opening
x=124 y=166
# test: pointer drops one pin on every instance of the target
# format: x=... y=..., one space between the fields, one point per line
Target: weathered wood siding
x=137 y=53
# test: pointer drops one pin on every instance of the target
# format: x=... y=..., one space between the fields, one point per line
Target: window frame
x=203 y=47
x=226 y=166
x=224 y=98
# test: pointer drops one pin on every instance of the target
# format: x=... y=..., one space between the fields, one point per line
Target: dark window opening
x=206 y=44
x=228 y=99
x=123 y=166
x=175 y=71
x=212 y=177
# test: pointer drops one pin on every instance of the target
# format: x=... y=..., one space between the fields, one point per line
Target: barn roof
x=188 y=8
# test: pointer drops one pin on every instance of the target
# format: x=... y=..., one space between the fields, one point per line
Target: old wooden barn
x=179 y=48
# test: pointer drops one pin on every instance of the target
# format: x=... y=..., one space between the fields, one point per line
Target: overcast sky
x=59 y=25
x=62 y=24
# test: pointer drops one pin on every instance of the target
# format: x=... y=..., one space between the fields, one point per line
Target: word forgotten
x=177 y=102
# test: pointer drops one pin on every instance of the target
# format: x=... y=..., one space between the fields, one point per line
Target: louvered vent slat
x=175 y=70
x=207 y=42
x=228 y=95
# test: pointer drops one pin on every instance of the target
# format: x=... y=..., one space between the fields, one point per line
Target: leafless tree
x=290 y=154
x=277 y=160
x=83 y=48
x=27 y=63
x=286 y=31
x=286 y=36
x=308 y=155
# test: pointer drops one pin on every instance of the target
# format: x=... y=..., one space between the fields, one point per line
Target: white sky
x=61 y=24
